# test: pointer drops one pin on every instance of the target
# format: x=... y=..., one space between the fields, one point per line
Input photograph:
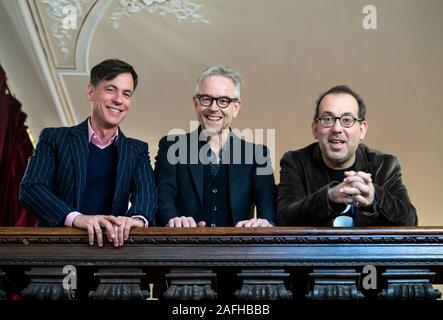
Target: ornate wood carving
x=263 y=284
x=334 y=284
x=46 y=283
x=219 y=254
x=191 y=284
x=120 y=284
x=409 y=284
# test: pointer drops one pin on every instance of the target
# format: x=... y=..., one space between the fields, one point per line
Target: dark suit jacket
x=55 y=178
x=180 y=185
x=304 y=183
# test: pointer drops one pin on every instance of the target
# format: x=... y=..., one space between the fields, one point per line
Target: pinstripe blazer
x=55 y=178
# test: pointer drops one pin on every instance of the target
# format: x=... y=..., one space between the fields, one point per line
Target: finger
x=255 y=224
x=177 y=222
x=99 y=233
x=201 y=224
x=349 y=191
x=90 y=229
x=110 y=232
x=120 y=235
x=115 y=239
x=363 y=187
x=240 y=224
x=185 y=223
x=352 y=179
x=367 y=177
x=350 y=173
x=112 y=219
x=192 y=222
x=362 y=201
x=248 y=223
x=170 y=223
x=263 y=223
x=127 y=229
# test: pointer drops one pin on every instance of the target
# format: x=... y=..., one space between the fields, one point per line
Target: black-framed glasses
x=207 y=100
x=346 y=121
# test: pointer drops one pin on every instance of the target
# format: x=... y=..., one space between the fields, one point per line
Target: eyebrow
x=343 y=114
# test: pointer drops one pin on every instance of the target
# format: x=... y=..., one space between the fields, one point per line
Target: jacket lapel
x=78 y=143
x=195 y=167
x=124 y=169
x=319 y=176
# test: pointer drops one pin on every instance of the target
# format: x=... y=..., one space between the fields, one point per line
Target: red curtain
x=15 y=149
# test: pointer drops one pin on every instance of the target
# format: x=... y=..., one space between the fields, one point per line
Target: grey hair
x=223 y=71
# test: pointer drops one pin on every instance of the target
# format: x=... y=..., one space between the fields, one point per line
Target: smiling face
x=338 y=144
x=213 y=117
x=111 y=100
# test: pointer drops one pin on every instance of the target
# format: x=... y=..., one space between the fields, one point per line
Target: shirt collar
x=93 y=138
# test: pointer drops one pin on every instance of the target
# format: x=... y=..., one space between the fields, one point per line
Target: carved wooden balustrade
x=224 y=263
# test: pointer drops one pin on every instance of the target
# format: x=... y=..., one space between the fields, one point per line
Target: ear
x=90 y=92
x=363 y=129
x=195 y=102
x=314 y=125
x=237 y=106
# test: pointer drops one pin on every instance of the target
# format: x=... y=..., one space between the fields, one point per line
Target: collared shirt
x=93 y=138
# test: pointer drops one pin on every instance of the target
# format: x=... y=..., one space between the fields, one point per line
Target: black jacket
x=180 y=185
x=304 y=183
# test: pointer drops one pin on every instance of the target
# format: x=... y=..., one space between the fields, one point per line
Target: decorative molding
x=238 y=240
x=181 y=9
x=120 y=284
x=263 y=284
x=46 y=283
x=334 y=284
x=190 y=284
x=409 y=284
x=64 y=20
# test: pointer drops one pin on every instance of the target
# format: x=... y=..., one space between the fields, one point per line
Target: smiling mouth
x=213 y=118
x=115 y=110
x=336 y=141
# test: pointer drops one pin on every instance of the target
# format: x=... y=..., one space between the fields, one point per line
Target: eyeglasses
x=346 y=121
x=222 y=102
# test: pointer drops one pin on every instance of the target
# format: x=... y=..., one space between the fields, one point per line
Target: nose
x=337 y=127
x=118 y=98
x=213 y=106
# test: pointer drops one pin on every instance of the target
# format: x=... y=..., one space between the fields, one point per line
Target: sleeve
x=297 y=206
x=392 y=203
x=144 y=196
x=36 y=189
x=265 y=190
x=166 y=177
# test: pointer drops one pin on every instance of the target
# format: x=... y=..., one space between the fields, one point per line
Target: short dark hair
x=342 y=89
x=109 y=69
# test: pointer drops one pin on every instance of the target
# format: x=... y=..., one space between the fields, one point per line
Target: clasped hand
x=357 y=188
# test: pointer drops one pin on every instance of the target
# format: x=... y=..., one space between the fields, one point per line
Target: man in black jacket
x=212 y=177
x=338 y=181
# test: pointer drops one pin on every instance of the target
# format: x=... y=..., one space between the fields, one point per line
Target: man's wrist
x=142 y=219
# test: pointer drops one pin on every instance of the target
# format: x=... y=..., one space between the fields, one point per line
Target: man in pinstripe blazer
x=84 y=176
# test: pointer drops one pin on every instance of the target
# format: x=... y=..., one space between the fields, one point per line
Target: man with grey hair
x=211 y=177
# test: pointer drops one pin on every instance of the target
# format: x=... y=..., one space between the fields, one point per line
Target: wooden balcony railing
x=224 y=263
